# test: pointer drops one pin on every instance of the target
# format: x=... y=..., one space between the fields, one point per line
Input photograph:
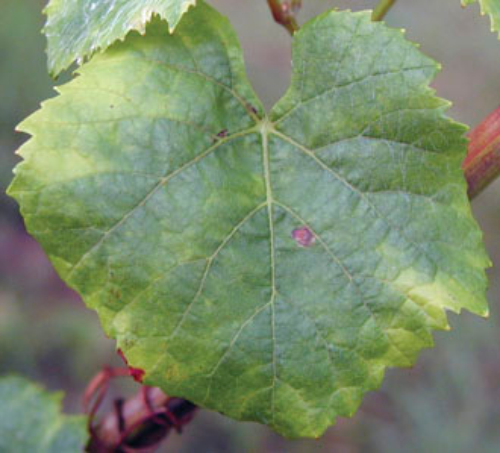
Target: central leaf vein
x=269 y=196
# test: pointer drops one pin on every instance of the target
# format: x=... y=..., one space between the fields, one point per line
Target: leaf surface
x=269 y=267
x=75 y=29
x=490 y=7
x=31 y=420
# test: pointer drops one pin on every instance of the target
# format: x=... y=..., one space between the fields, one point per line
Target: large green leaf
x=31 y=421
x=270 y=266
x=490 y=7
x=77 y=28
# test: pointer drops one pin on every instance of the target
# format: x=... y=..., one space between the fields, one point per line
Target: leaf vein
x=154 y=190
x=203 y=75
x=210 y=260
x=233 y=341
x=350 y=85
x=269 y=196
x=346 y=271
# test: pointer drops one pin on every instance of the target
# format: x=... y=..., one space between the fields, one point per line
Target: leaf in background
x=75 y=29
x=267 y=267
x=31 y=420
x=490 y=7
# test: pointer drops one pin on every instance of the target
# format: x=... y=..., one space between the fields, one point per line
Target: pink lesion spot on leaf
x=136 y=373
x=303 y=236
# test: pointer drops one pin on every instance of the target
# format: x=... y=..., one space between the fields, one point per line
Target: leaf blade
x=76 y=30
x=32 y=420
x=268 y=268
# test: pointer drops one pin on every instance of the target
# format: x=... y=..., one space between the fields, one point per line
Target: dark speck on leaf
x=303 y=236
x=251 y=109
x=111 y=106
x=116 y=293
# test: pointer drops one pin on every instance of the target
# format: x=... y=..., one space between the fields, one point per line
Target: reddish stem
x=284 y=12
x=137 y=424
x=97 y=389
x=482 y=164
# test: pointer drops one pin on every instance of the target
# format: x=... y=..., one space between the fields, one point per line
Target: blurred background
x=449 y=402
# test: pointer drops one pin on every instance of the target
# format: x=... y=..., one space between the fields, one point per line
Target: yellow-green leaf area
x=490 y=7
x=75 y=29
x=266 y=266
x=31 y=420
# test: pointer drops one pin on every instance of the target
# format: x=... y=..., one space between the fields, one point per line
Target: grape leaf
x=491 y=7
x=269 y=267
x=31 y=420
x=75 y=29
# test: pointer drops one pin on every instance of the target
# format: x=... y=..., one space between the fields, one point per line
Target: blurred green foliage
x=448 y=403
